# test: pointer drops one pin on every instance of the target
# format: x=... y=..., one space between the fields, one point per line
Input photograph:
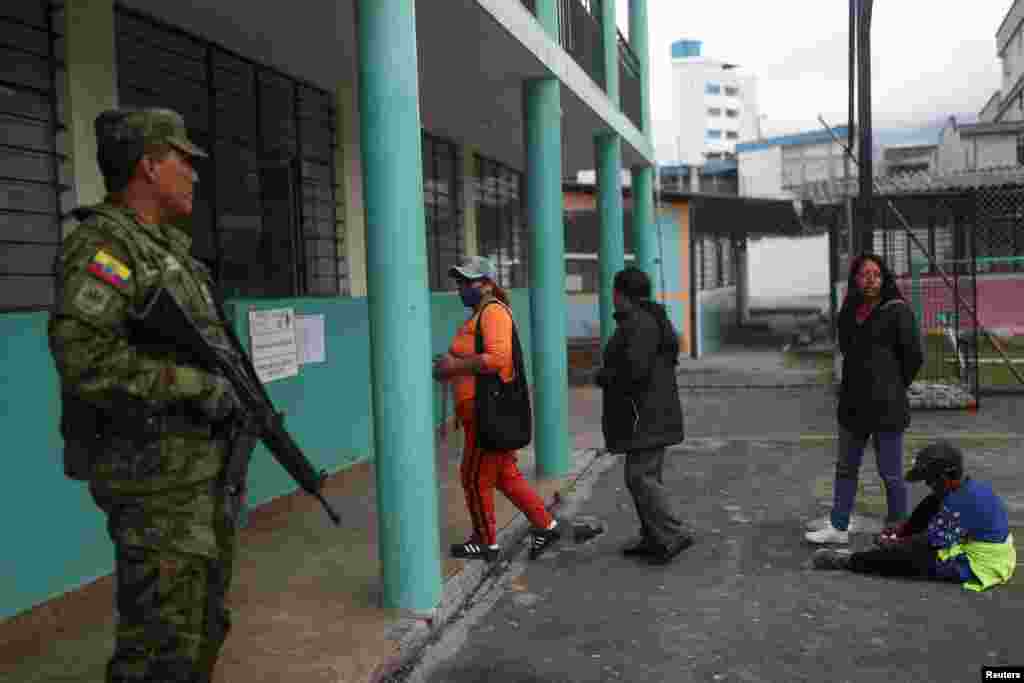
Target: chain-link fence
x=965 y=292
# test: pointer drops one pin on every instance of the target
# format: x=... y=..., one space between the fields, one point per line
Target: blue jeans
x=888 y=457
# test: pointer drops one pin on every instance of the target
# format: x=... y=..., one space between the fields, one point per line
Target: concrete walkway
x=306 y=594
x=742 y=604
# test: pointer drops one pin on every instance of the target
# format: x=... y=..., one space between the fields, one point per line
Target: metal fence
x=971 y=321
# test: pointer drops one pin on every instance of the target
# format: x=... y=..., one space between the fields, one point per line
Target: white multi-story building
x=714 y=107
x=779 y=167
x=998 y=138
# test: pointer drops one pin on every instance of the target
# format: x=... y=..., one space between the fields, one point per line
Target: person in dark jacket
x=881 y=349
x=642 y=414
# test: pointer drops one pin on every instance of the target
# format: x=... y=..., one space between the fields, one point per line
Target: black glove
x=221 y=402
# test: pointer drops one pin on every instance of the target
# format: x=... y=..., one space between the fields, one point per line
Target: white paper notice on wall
x=274 y=347
x=310 y=332
x=574 y=283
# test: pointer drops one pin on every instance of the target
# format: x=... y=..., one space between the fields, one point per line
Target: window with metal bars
x=266 y=217
x=501 y=222
x=33 y=172
x=443 y=208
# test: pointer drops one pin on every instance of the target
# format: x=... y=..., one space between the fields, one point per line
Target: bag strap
x=517 y=350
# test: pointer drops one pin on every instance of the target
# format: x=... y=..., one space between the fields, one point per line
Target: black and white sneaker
x=471 y=550
x=543 y=539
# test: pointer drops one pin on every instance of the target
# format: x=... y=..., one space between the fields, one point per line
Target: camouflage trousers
x=172 y=618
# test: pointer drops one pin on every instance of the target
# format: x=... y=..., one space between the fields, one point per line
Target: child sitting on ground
x=960 y=532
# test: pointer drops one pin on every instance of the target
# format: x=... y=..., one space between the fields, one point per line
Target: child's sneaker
x=543 y=538
x=471 y=550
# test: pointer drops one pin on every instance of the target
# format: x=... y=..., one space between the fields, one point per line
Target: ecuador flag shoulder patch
x=110 y=270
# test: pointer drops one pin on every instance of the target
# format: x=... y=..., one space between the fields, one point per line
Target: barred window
x=501 y=221
x=582 y=249
x=266 y=216
x=33 y=169
x=442 y=203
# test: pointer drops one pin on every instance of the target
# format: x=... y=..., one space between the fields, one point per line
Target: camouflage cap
x=141 y=128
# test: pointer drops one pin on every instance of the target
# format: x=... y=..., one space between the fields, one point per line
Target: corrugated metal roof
x=920 y=182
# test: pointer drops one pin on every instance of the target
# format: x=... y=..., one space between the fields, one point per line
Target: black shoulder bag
x=504 y=421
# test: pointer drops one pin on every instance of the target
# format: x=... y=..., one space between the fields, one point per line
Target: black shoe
x=665 y=554
x=543 y=538
x=642 y=548
x=475 y=551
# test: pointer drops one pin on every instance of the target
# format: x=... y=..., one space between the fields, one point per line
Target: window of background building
x=582 y=239
x=442 y=203
x=732 y=113
x=731 y=91
x=714 y=134
x=712 y=89
x=714 y=111
x=501 y=221
x=34 y=178
x=732 y=135
x=266 y=216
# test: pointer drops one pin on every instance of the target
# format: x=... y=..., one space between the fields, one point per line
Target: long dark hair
x=854 y=298
x=634 y=284
x=889 y=289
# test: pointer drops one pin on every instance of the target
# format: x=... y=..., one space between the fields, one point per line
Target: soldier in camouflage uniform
x=157 y=436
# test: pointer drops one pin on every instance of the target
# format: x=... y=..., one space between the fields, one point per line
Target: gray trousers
x=660 y=522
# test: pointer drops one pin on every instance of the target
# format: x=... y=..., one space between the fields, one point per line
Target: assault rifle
x=164 y=323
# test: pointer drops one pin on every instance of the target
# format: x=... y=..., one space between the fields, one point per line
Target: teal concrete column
x=548 y=311
x=645 y=237
x=547 y=15
x=610 y=47
x=399 y=305
x=638 y=41
x=611 y=252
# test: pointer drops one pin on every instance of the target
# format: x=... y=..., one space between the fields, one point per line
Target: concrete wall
x=987 y=151
x=328 y=412
x=760 y=173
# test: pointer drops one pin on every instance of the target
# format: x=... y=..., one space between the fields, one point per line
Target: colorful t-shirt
x=972 y=536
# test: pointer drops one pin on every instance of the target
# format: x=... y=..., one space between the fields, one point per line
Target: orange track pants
x=483 y=472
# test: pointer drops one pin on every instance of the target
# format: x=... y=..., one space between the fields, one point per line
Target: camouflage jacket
x=110 y=263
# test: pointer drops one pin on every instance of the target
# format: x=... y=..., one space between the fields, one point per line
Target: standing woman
x=642 y=414
x=881 y=349
x=484 y=471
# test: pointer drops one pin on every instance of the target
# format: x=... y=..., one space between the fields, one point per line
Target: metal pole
x=939 y=270
x=866 y=167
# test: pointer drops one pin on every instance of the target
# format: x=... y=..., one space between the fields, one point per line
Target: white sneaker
x=828 y=534
x=856 y=522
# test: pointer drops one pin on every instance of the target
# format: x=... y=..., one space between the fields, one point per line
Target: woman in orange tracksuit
x=484 y=471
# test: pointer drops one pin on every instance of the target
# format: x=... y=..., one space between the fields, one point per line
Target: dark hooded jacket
x=641 y=407
x=881 y=357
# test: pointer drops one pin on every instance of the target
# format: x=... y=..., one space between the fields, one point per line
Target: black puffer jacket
x=640 y=397
x=881 y=357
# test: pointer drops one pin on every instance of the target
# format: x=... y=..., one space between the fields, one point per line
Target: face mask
x=470 y=296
